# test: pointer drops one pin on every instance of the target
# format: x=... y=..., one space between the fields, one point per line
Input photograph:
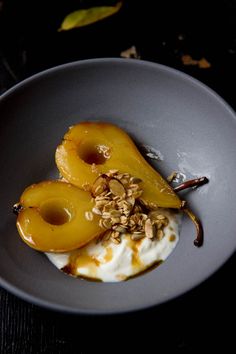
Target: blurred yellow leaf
x=86 y=17
x=202 y=63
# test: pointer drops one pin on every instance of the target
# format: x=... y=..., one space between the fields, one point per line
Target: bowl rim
x=110 y=60
x=97 y=61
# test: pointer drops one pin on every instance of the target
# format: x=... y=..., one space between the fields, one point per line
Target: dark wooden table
x=29 y=42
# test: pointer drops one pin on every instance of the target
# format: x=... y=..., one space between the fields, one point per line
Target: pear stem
x=191 y=183
x=199 y=239
x=17 y=208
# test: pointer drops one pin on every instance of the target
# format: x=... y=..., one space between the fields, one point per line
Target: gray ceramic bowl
x=193 y=128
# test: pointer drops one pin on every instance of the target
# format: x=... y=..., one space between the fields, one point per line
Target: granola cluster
x=118 y=202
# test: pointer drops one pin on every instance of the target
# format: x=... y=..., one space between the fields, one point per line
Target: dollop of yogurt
x=109 y=262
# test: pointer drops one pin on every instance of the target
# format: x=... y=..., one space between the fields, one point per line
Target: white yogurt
x=111 y=262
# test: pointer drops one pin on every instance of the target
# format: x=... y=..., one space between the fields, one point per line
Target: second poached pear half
x=92 y=148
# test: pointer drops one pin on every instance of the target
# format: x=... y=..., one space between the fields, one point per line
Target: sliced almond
x=119 y=228
x=137 y=236
x=124 y=181
x=106 y=215
x=135 y=180
x=115 y=234
x=131 y=201
x=109 y=206
x=115 y=240
x=137 y=209
x=156 y=215
x=137 y=194
x=117 y=188
x=99 y=186
x=107 y=223
x=106 y=235
x=129 y=192
x=96 y=211
x=115 y=213
x=160 y=217
x=100 y=223
x=100 y=204
x=123 y=220
x=134 y=186
x=149 y=229
x=115 y=220
x=112 y=173
x=120 y=176
x=160 y=234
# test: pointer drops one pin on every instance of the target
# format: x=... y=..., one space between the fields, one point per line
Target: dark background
x=29 y=43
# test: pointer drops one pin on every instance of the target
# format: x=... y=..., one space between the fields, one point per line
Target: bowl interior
x=191 y=126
